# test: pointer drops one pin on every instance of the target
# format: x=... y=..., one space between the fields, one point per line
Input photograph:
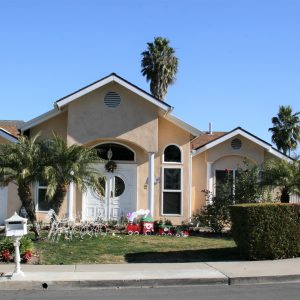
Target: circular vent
x=112 y=99
x=236 y=144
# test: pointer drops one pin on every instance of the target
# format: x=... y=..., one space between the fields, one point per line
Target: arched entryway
x=119 y=183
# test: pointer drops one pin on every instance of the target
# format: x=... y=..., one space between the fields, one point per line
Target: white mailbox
x=15 y=226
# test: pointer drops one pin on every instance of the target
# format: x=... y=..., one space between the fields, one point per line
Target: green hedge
x=266 y=231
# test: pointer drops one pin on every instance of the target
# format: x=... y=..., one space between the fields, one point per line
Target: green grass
x=135 y=249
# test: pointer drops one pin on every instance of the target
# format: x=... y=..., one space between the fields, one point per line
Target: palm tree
x=21 y=163
x=283 y=175
x=286 y=129
x=159 y=65
x=66 y=164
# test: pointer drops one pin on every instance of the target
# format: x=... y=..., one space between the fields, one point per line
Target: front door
x=119 y=197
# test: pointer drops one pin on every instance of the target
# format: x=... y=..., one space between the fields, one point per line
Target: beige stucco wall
x=134 y=120
x=199 y=181
x=57 y=124
x=13 y=200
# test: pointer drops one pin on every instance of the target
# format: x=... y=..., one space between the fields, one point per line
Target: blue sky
x=238 y=60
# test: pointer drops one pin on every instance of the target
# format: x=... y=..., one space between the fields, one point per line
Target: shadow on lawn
x=203 y=255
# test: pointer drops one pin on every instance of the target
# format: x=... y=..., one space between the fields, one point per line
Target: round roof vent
x=112 y=99
x=236 y=144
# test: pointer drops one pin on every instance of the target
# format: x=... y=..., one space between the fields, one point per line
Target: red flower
x=6 y=256
x=26 y=256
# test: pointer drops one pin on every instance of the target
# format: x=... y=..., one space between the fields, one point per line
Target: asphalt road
x=245 y=292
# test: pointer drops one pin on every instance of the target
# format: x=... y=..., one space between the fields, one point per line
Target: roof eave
x=9 y=137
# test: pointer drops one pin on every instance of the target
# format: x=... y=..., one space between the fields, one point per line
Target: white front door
x=120 y=194
x=3 y=204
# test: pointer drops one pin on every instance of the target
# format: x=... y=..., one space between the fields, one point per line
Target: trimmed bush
x=266 y=230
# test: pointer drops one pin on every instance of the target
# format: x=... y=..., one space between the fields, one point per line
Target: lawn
x=135 y=249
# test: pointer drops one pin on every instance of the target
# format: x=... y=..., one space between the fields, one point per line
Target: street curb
x=263 y=279
x=79 y=284
x=147 y=283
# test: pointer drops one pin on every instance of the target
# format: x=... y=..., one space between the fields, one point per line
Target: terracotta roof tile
x=205 y=138
x=11 y=126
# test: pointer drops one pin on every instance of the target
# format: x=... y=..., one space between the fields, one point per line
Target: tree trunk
x=24 y=193
x=58 y=198
x=285 y=196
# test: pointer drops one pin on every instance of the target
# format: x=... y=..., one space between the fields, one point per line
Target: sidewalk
x=148 y=275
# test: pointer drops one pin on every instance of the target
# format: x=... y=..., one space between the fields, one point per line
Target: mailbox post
x=16 y=227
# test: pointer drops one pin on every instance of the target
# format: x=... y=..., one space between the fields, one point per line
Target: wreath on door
x=110 y=166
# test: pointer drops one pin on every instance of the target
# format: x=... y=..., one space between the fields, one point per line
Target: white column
x=151 y=182
x=70 y=198
x=210 y=177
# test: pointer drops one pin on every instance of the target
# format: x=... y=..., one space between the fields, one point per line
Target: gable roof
x=205 y=138
x=245 y=134
x=113 y=77
x=59 y=105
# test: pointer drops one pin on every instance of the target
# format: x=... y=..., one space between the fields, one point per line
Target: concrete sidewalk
x=152 y=274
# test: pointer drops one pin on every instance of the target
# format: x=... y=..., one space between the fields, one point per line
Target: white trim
x=111 y=78
x=151 y=179
x=172 y=162
x=183 y=125
x=190 y=184
x=40 y=119
x=167 y=190
x=6 y=135
x=122 y=144
x=244 y=134
x=70 y=200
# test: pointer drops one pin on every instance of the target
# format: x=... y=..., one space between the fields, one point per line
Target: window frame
x=171 y=191
x=37 y=188
x=172 y=162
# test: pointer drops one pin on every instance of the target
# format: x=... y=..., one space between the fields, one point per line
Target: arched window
x=113 y=151
x=172 y=153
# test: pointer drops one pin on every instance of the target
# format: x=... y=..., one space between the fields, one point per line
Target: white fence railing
x=294 y=198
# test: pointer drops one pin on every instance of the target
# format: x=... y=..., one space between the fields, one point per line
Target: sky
x=238 y=60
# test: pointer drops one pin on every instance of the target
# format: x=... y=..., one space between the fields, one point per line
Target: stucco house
x=163 y=163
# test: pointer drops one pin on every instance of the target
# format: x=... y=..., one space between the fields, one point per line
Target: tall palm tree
x=286 y=129
x=21 y=163
x=159 y=65
x=66 y=164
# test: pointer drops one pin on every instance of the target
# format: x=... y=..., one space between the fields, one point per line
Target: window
x=42 y=203
x=171 y=191
x=172 y=154
x=111 y=151
x=222 y=177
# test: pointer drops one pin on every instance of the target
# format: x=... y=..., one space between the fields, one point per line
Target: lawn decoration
x=144 y=225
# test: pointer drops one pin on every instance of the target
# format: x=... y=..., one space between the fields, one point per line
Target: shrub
x=7 y=248
x=266 y=230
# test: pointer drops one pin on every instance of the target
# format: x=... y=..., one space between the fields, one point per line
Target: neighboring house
x=162 y=162
x=9 y=201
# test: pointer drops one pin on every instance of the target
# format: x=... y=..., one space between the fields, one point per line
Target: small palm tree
x=159 y=65
x=66 y=164
x=283 y=175
x=21 y=163
x=286 y=129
